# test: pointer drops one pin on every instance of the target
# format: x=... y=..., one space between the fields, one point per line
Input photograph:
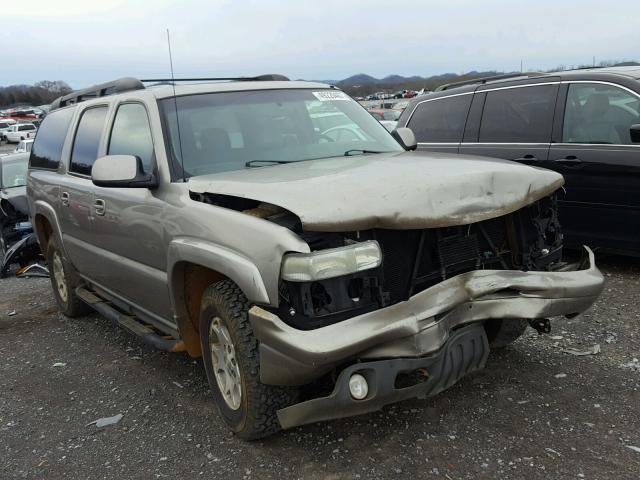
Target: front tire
x=231 y=359
x=64 y=282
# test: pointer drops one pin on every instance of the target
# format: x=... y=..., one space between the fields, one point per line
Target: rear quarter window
x=47 y=147
x=440 y=120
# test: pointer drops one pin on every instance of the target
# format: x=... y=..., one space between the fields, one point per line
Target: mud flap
x=466 y=351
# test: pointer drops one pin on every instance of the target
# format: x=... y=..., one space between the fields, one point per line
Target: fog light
x=358 y=386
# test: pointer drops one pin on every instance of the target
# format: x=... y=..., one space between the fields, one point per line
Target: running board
x=130 y=323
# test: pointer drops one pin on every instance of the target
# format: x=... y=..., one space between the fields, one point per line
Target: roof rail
x=259 y=78
x=126 y=84
x=110 y=88
x=448 y=86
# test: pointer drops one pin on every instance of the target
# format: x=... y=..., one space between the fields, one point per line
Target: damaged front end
x=406 y=277
x=404 y=310
x=18 y=243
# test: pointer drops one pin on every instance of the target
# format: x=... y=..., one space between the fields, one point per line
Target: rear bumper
x=422 y=325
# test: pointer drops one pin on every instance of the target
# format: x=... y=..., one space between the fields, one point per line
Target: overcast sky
x=90 y=41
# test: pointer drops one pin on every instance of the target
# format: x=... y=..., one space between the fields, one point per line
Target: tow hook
x=540 y=325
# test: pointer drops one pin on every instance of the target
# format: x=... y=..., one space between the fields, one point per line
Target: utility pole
x=520 y=65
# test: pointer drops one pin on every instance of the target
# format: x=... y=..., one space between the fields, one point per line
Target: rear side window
x=131 y=134
x=599 y=114
x=440 y=120
x=87 y=140
x=24 y=128
x=518 y=115
x=47 y=148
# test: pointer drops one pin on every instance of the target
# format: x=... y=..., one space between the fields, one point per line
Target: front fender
x=229 y=263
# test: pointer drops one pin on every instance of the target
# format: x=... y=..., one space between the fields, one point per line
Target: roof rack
x=273 y=77
x=102 y=90
x=448 y=86
x=127 y=84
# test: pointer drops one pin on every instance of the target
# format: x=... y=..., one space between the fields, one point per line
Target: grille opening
x=410 y=379
x=320 y=298
x=355 y=288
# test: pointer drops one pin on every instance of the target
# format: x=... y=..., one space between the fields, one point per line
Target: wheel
x=231 y=360
x=64 y=281
x=501 y=333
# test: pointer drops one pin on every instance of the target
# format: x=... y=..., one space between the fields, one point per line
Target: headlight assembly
x=330 y=263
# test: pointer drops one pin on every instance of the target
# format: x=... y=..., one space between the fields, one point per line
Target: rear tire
x=231 y=359
x=64 y=281
x=503 y=332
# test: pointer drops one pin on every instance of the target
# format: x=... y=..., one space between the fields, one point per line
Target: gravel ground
x=534 y=412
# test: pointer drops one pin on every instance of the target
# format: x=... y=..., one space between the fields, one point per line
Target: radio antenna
x=175 y=105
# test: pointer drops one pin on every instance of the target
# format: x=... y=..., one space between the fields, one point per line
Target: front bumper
x=423 y=324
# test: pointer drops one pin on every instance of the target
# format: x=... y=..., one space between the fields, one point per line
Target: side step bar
x=132 y=324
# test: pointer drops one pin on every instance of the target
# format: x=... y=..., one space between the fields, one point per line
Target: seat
x=594 y=125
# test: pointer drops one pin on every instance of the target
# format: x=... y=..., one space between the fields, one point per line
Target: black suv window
x=440 y=120
x=598 y=113
x=87 y=140
x=518 y=115
x=47 y=148
x=131 y=134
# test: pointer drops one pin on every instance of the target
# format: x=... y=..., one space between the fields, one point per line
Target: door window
x=441 y=120
x=87 y=140
x=131 y=134
x=599 y=114
x=518 y=115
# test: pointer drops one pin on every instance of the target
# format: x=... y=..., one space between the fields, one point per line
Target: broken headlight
x=330 y=263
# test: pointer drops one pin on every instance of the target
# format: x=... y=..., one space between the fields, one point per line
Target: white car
x=20 y=131
x=25 y=146
x=5 y=123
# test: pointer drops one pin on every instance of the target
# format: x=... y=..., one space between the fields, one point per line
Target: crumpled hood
x=17 y=197
x=406 y=190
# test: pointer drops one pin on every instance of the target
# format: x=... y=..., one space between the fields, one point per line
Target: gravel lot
x=534 y=412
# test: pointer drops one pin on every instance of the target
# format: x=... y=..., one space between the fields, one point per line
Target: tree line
x=40 y=93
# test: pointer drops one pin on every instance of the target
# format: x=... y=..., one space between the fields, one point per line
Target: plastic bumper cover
x=422 y=324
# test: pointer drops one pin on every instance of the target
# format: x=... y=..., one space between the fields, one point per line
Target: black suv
x=584 y=124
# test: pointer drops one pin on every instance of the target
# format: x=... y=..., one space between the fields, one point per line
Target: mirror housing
x=634 y=132
x=121 y=171
x=405 y=137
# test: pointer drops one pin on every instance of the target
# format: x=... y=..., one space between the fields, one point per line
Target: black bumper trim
x=466 y=351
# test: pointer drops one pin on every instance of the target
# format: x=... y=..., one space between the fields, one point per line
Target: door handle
x=570 y=160
x=64 y=199
x=99 y=206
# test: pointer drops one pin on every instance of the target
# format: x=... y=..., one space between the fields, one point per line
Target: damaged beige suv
x=318 y=265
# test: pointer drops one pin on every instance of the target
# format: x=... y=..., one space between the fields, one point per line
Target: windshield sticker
x=331 y=95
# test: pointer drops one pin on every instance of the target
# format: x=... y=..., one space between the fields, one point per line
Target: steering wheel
x=341 y=130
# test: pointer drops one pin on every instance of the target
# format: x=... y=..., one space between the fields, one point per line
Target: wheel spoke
x=225 y=365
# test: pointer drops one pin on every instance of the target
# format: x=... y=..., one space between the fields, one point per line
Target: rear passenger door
x=438 y=123
x=513 y=123
x=600 y=164
x=76 y=192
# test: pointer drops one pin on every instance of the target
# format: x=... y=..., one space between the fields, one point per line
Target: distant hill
x=362 y=84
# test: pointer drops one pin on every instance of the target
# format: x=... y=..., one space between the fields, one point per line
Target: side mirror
x=121 y=171
x=634 y=131
x=405 y=137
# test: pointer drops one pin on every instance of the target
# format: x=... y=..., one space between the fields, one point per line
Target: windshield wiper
x=348 y=153
x=256 y=163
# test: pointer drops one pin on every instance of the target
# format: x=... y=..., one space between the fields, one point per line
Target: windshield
x=220 y=132
x=14 y=173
